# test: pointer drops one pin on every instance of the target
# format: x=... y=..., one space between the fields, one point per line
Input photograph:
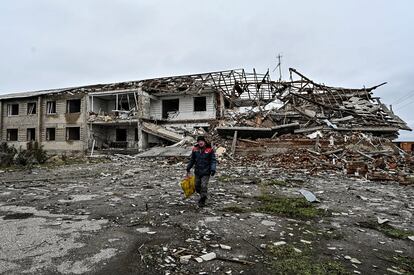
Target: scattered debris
x=185 y=259
x=268 y=223
x=310 y=197
x=394 y=271
x=273 y=227
x=208 y=257
x=382 y=221
x=306 y=242
x=225 y=247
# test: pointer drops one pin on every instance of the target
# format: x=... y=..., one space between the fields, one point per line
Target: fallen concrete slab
x=161 y=132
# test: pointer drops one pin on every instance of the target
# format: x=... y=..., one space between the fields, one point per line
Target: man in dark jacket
x=204 y=161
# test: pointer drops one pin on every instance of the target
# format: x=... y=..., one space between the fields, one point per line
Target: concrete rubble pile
x=295 y=124
x=357 y=155
x=315 y=127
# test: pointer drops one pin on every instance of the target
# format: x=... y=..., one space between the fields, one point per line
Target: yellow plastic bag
x=188 y=186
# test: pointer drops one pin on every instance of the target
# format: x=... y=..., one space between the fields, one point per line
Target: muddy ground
x=128 y=216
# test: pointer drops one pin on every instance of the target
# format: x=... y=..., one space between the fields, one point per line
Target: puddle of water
x=18 y=216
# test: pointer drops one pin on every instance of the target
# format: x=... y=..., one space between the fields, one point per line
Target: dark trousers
x=201 y=183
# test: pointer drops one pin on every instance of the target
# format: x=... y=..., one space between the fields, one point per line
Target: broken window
x=51 y=107
x=121 y=134
x=12 y=109
x=124 y=102
x=12 y=134
x=72 y=133
x=31 y=134
x=73 y=106
x=124 y=106
x=169 y=107
x=31 y=108
x=50 y=134
x=200 y=104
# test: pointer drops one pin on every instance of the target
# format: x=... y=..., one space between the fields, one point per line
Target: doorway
x=121 y=134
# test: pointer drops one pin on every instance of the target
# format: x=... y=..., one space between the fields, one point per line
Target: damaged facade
x=139 y=114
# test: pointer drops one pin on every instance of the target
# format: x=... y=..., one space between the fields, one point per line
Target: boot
x=202 y=202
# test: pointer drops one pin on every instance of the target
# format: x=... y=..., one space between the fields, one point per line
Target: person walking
x=204 y=161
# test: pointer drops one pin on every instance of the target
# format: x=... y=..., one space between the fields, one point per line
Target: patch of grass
x=225 y=178
x=387 y=229
x=235 y=209
x=410 y=179
x=333 y=235
x=296 y=182
x=288 y=261
x=276 y=182
x=290 y=207
x=406 y=264
x=240 y=180
x=403 y=264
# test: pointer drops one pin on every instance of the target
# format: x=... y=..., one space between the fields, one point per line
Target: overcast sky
x=54 y=43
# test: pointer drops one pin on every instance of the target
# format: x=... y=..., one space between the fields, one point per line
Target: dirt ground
x=128 y=216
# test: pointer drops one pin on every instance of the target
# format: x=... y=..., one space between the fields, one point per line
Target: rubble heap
x=359 y=155
x=303 y=106
x=299 y=125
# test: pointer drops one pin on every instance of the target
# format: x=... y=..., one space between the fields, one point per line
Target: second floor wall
x=184 y=107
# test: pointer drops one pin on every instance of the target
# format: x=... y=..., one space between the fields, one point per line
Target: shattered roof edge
x=369 y=89
x=26 y=94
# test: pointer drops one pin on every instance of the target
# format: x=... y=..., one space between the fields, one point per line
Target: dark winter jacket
x=204 y=161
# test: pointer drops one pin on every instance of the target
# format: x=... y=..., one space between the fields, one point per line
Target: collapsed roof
x=305 y=106
x=302 y=101
x=234 y=84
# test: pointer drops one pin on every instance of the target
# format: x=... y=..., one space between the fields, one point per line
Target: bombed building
x=135 y=115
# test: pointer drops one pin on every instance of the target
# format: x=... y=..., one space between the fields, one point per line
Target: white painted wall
x=186 y=107
x=103 y=105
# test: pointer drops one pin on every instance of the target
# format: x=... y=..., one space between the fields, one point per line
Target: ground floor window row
x=71 y=133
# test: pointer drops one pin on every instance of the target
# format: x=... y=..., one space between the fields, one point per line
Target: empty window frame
x=12 y=134
x=31 y=108
x=31 y=134
x=136 y=134
x=51 y=107
x=200 y=104
x=12 y=109
x=170 y=106
x=72 y=133
x=73 y=106
x=50 y=134
x=124 y=102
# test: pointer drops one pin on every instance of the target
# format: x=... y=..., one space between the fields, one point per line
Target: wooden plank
x=245 y=129
x=289 y=125
x=312 y=129
x=249 y=141
x=233 y=145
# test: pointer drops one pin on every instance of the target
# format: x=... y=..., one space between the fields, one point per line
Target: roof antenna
x=279 y=65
